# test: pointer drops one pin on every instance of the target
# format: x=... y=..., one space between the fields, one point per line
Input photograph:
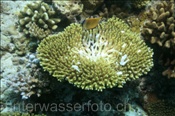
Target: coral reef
x=38 y=16
x=98 y=58
x=106 y=56
x=69 y=8
x=159 y=29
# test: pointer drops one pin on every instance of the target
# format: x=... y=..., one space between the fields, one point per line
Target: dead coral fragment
x=96 y=59
x=40 y=16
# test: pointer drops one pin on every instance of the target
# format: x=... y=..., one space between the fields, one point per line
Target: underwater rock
x=91 y=5
x=11 y=47
x=21 y=43
x=31 y=57
x=12 y=30
x=5 y=40
x=69 y=8
x=18 y=60
x=21 y=61
x=7 y=64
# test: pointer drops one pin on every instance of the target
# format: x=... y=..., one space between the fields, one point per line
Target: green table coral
x=96 y=59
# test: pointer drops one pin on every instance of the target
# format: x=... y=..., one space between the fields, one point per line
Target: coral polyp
x=96 y=59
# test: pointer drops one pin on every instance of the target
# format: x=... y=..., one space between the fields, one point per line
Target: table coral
x=41 y=16
x=98 y=58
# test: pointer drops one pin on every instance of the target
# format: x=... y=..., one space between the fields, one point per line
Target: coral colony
x=98 y=58
x=38 y=20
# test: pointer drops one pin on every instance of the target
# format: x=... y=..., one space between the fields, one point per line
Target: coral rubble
x=98 y=58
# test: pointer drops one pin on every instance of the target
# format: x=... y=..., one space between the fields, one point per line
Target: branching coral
x=42 y=16
x=35 y=31
x=96 y=59
x=160 y=26
x=159 y=29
